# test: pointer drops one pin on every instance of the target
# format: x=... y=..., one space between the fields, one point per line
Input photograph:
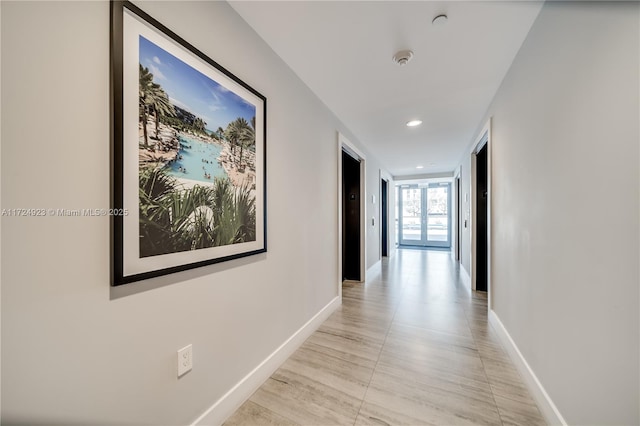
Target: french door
x=424 y=217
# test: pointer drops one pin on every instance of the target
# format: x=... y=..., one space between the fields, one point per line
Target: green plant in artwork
x=174 y=219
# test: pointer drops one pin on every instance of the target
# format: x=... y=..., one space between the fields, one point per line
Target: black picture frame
x=183 y=195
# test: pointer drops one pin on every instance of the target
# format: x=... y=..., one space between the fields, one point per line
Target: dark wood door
x=482 y=226
x=384 y=217
x=350 y=218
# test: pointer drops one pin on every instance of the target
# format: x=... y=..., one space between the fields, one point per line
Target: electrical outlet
x=185 y=360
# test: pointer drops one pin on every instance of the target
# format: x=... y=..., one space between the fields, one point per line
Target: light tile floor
x=410 y=346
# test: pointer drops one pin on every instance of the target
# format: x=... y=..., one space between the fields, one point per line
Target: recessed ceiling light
x=414 y=123
x=439 y=20
x=419 y=167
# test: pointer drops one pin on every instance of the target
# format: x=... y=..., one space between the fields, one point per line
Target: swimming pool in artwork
x=197 y=161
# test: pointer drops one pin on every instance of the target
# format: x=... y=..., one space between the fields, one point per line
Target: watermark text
x=60 y=212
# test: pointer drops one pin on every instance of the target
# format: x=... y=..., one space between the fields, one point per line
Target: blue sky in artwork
x=189 y=89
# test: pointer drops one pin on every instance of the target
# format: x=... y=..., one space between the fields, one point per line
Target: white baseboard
x=223 y=408
x=547 y=407
x=370 y=271
x=466 y=279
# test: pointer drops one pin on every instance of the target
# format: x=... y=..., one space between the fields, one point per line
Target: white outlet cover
x=185 y=360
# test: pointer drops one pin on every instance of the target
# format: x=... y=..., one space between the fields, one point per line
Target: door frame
x=345 y=145
x=391 y=213
x=484 y=138
x=384 y=212
x=456 y=241
x=424 y=201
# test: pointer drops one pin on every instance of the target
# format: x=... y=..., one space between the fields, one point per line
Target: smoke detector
x=402 y=57
x=440 y=20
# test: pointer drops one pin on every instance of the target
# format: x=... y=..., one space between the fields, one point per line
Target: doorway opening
x=424 y=217
x=458 y=224
x=351 y=227
x=384 y=217
x=480 y=205
x=482 y=225
x=351 y=186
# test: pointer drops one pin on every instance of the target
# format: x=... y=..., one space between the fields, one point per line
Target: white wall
x=465 y=213
x=373 y=211
x=76 y=351
x=391 y=213
x=0 y=210
x=565 y=206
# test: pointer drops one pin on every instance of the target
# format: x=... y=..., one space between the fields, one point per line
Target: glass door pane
x=438 y=214
x=412 y=221
x=397 y=221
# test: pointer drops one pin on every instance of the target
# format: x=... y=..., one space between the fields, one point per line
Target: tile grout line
x=518 y=373
x=484 y=370
x=384 y=342
x=370 y=311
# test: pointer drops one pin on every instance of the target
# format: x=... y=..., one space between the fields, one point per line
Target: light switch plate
x=185 y=360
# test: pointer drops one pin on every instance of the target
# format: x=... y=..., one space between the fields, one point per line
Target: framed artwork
x=188 y=154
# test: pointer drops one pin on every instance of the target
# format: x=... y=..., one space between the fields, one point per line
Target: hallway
x=410 y=346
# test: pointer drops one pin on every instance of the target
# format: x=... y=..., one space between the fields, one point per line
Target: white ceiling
x=342 y=50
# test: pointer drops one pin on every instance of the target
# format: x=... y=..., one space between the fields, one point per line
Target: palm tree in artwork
x=232 y=134
x=220 y=133
x=240 y=133
x=145 y=82
x=158 y=100
x=152 y=98
x=247 y=137
x=199 y=124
